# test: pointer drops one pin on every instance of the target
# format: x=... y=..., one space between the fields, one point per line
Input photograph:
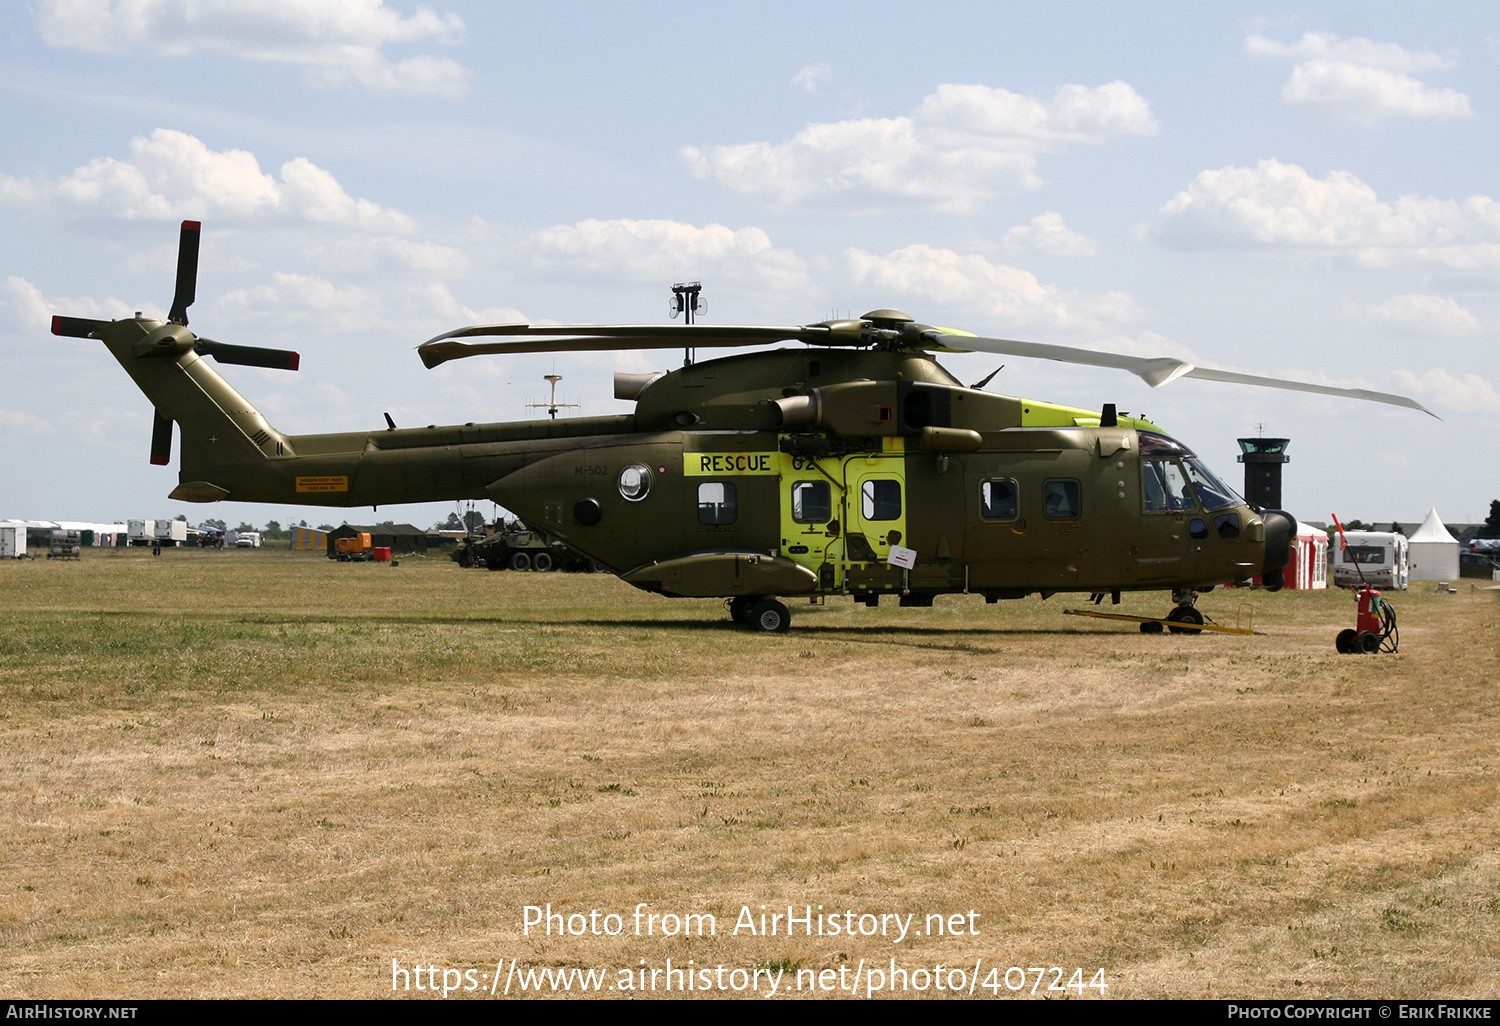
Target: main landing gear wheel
x=1186 y=615
x=1150 y=627
x=520 y=561
x=770 y=616
x=1345 y=641
x=739 y=608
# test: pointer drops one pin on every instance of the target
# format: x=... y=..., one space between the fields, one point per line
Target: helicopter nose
x=1281 y=526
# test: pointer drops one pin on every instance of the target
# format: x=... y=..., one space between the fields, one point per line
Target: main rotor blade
x=566 y=338
x=187 y=272
x=1157 y=371
x=248 y=356
x=1210 y=374
x=1154 y=371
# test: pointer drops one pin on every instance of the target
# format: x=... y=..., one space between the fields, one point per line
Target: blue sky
x=1301 y=191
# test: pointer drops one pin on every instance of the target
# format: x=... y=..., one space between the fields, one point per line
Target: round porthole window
x=635 y=482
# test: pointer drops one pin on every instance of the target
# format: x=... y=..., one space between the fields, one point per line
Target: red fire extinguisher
x=1374 y=618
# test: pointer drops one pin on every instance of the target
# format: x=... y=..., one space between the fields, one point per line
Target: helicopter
x=853 y=464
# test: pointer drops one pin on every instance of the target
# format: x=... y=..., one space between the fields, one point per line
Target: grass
x=268 y=774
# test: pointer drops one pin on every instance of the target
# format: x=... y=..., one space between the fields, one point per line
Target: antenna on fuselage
x=552 y=405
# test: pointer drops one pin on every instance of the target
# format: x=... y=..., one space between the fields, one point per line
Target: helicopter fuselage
x=800 y=471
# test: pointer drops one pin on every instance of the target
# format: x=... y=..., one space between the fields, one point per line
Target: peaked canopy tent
x=1434 y=552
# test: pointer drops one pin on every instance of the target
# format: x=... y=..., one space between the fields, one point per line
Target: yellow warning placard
x=322 y=484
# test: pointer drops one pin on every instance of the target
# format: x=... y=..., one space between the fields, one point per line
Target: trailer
x=171 y=532
x=1377 y=558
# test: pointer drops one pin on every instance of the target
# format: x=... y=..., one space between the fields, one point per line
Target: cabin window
x=1062 y=500
x=1164 y=487
x=635 y=482
x=880 y=499
x=1366 y=554
x=997 y=499
x=716 y=502
x=1228 y=526
x=812 y=502
x=1197 y=528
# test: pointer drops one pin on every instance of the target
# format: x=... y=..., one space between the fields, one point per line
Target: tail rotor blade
x=248 y=356
x=187 y=272
x=161 y=441
x=76 y=327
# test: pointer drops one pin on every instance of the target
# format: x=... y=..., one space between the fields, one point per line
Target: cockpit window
x=1164 y=487
x=1155 y=444
x=1212 y=492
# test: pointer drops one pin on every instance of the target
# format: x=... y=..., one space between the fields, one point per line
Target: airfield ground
x=267 y=774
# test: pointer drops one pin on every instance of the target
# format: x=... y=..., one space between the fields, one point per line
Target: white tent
x=1434 y=552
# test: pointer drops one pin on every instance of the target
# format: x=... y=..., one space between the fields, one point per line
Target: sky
x=1303 y=191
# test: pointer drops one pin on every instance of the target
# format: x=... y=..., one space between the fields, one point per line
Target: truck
x=1381 y=556
x=355 y=549
x=244 y=539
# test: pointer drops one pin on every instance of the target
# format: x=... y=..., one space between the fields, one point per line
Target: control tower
x=1263 y=458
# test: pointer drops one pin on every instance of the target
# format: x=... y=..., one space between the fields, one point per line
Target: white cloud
x=173 y=175
x=1048 y=234
x=813 y=77
x=972 y=285
x=965 y=144
x=412 y=310
x=1361 y=80
x=1416 y=316
x=1281 y=206
x=30 y=311
x=335 y=43
x=20 y=420
x=1468 y=394
x=658 y=250
x=388 y=254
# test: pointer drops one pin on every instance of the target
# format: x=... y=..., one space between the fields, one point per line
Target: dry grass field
x=268 y=774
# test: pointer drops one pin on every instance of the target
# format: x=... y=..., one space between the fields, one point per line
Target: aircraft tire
x=739 y=608
x=520 y=561
x=541 y=562
x=770 y=616
x=1185 y=615
x=1367 y=643
x=1151 y=627
x=1345 y=641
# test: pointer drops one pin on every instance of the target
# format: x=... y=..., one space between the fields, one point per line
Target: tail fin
x=223 y=436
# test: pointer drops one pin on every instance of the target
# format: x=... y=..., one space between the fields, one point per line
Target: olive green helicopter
x=849 y=464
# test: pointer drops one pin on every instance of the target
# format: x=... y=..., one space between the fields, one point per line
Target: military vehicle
x=846 y=461
x=516 y=546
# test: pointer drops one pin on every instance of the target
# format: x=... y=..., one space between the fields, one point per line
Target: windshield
x=1212 y=492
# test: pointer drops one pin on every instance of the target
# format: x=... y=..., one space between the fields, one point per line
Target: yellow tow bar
x=1244 y=620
